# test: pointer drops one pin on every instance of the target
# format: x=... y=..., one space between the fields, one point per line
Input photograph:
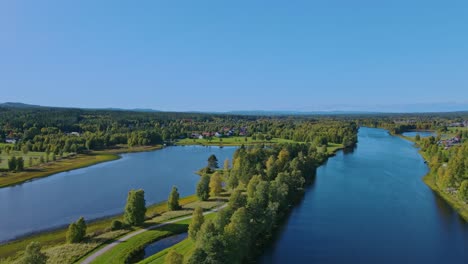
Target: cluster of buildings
x=459 y=124
x=224 y=132
x=449 y=142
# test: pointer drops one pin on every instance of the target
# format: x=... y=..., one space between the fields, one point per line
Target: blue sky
x=235 y=55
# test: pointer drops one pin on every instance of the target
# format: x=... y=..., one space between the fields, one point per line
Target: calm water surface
x=420 y=133
x=371 y=206
x=102 y=189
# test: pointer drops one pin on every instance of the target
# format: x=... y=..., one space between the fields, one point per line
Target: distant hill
x=27 y=106
x=19 y=105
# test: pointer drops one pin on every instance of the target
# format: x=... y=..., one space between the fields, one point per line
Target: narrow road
x=103 y=250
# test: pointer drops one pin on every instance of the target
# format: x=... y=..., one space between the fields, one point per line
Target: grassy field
x=124 y=251
x=57 y=237
x=62 y=164
x=230 y=141
x=35 y=156
x=47 y=169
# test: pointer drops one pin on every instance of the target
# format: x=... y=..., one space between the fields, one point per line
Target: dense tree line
x=265 y=183
x=50 y=129
x=449 y=166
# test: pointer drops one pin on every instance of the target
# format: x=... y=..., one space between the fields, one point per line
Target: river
x=101 y=190
x=371 y=206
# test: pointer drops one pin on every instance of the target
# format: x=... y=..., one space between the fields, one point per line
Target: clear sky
x=235 y=55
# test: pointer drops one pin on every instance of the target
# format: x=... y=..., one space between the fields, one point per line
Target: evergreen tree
x=135 y=209
x=203 y=188
x=173 y=201
x=213 y=162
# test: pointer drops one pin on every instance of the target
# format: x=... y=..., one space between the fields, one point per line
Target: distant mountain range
x=414 y=108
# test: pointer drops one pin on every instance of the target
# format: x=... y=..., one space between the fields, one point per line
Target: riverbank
x=69 y=163
x=95 y=228
x=429 y=180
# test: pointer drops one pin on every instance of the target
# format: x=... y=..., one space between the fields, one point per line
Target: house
x=200 y=137
x=195 y=135
x=217 y=134
x=75 y=134
x=10 y=140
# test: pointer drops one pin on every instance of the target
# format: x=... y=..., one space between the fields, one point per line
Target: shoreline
x=57 y=235
x=428 y=179
x=69 y=164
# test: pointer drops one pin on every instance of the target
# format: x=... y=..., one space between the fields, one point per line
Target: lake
x=371 y=206
x=101 y=190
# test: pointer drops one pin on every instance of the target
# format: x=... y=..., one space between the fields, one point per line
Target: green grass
x=4 y=157
x=185 y=247
x=68 y=163
x=230 y=141
x=47 y=169
x=123 y=251
x=57 y=237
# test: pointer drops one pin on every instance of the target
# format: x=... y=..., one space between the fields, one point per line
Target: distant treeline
x=58 y=130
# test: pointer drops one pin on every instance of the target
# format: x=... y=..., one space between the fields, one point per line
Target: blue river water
x=371 y=206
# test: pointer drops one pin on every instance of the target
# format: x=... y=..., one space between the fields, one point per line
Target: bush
x=33 y=254
x=116 y=225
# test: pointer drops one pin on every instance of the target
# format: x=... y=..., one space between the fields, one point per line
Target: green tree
x=174 y=258
x=116 y=225
x=135 y=209
x=30 y=162
x=12 y=163
x=213 y=162
x=73 y=233
x=417 y=137
x=463 y=191
x=215 y=185
x=226 y=167
x=173 y=201
x=19 y=164
x=203 y=188
x=25 y=149
x=237 y=235
x=76 y=231
x=33 y=254
x=81 y=224
x=197 y=221
x=237 y=199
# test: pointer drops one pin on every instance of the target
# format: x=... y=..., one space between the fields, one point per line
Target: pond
x=101 y=190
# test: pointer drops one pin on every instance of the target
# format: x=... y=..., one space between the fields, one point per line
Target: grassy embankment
x=96 y=231
x=429 y=180
x=60 y=165
x=123 y=251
